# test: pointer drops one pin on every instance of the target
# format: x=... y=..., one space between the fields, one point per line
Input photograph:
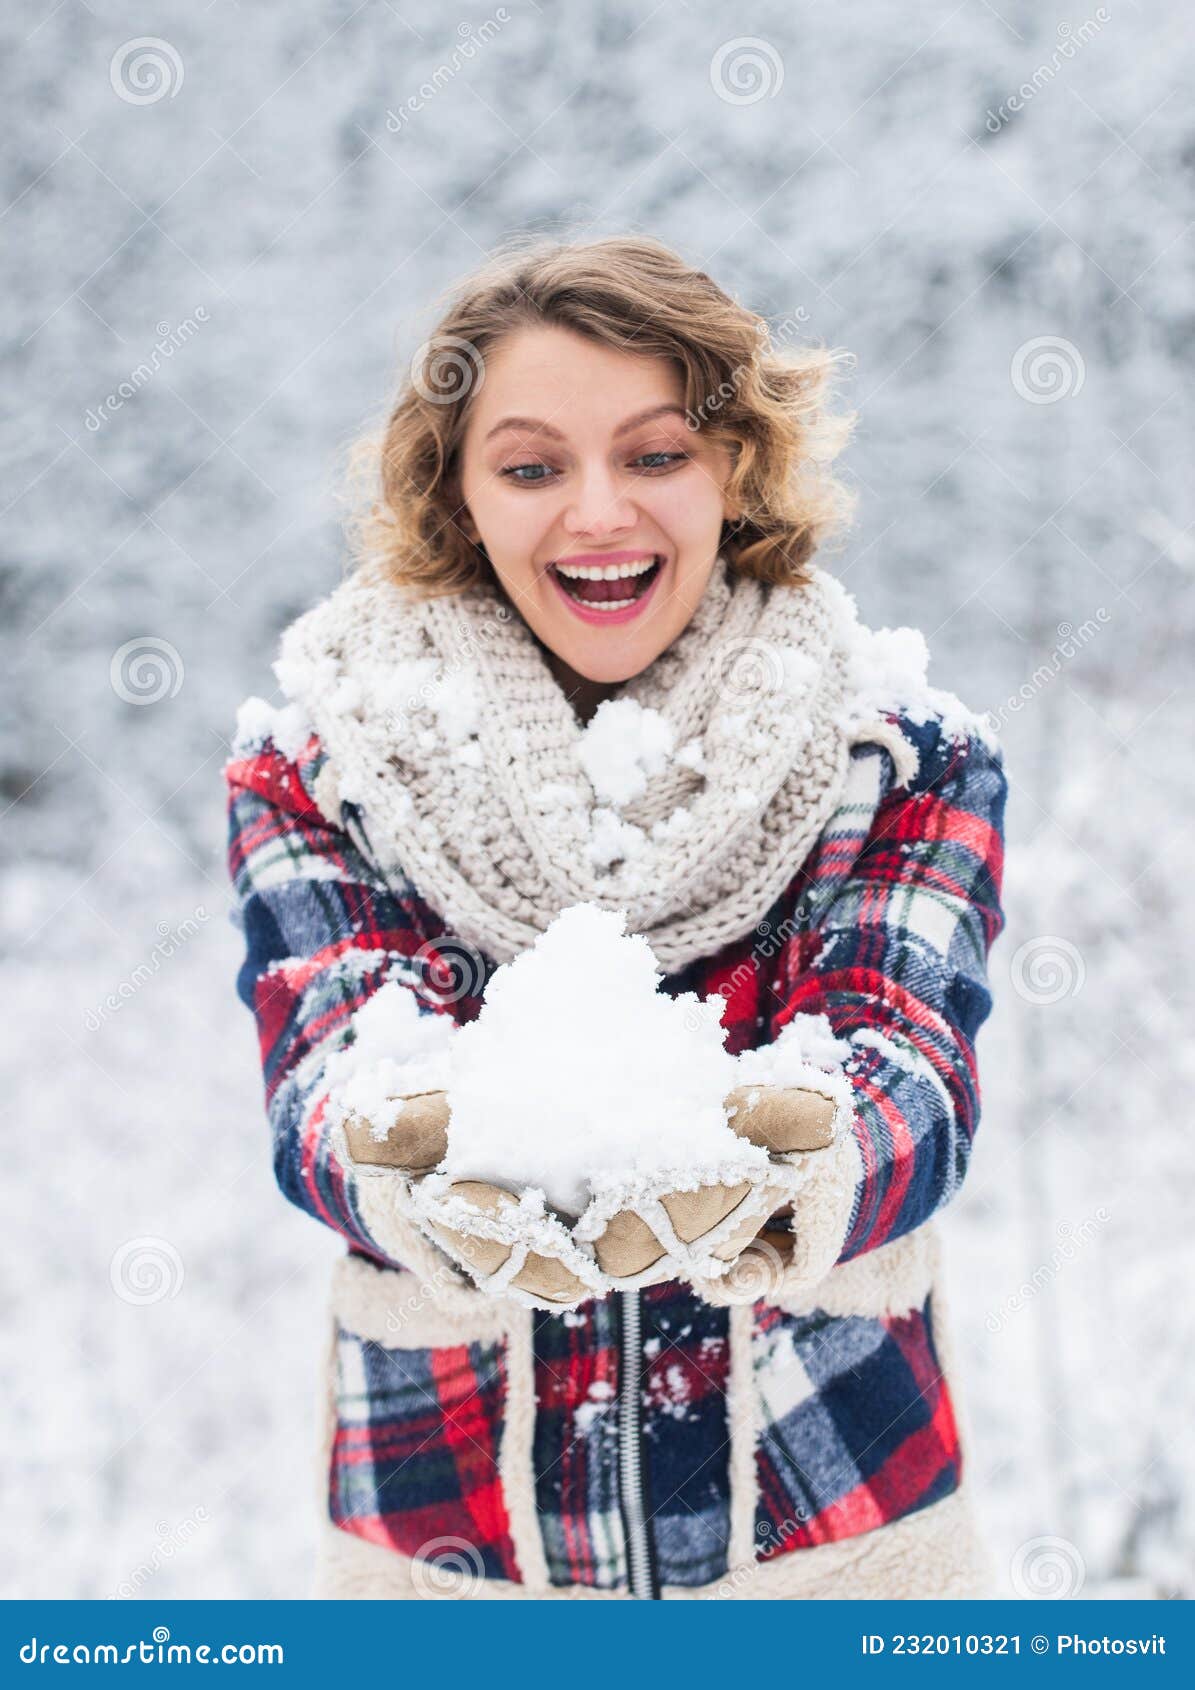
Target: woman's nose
x=599 y=506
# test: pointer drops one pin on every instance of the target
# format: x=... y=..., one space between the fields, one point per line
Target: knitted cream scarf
x=443 y=722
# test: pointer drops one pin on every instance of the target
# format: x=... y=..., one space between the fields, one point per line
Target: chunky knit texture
x=493 y=823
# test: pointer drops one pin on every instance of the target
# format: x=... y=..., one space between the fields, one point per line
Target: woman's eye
x=661 y=460
x=527 y=474
x=536 y=474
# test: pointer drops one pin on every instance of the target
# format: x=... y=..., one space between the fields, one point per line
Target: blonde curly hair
x=767 y=405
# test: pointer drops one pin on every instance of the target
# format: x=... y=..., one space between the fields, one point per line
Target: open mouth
x=607 y=588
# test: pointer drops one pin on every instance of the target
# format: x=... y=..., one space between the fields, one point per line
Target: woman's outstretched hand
x=787 y=1122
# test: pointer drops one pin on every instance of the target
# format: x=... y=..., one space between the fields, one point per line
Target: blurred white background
x=256 y=192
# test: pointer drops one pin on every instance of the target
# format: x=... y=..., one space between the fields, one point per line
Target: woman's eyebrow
x=535 y=425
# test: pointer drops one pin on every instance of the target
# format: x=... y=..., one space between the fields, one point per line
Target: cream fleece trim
x=935 y=1553
x=326 y=1420
x=892 y=1279
x=743 y=1420
x=515 y=1467
x=823 y=1214
x=382 y=1196
x=822 y=1211
x=943 y=1335
x=406 y=1311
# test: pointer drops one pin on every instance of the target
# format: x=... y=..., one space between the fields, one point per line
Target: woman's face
x=587 y=488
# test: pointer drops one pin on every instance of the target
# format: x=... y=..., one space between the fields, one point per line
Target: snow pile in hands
x=366 y=1079
x=579 y=1071
x=579 y=1074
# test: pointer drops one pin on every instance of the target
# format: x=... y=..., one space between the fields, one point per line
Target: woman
x=603 y=486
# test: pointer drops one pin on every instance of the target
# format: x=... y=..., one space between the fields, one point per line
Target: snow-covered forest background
x=990 y=205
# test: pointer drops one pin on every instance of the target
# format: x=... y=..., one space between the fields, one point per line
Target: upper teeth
x=605 y=571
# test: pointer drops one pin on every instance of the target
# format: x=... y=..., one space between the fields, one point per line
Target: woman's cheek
x=688 y=509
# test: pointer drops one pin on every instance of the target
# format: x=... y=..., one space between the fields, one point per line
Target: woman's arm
x=898 y=963
x=322 y=933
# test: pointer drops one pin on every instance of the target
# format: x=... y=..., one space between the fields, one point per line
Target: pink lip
x=607 y=617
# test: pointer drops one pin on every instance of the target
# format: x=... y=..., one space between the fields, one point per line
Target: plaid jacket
x=885 y=929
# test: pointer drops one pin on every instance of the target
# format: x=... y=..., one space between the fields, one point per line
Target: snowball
x=622 y=747
x=579 y=1071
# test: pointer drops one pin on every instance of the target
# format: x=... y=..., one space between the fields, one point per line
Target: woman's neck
x=583 y=694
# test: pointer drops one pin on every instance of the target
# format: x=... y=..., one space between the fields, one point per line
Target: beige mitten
x=782 y=1119
x=416 y=1143
x=702 y=1231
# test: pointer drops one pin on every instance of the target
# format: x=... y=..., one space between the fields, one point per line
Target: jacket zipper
x=641 y=1568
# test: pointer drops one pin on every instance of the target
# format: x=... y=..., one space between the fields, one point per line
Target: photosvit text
x=997 y=1643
